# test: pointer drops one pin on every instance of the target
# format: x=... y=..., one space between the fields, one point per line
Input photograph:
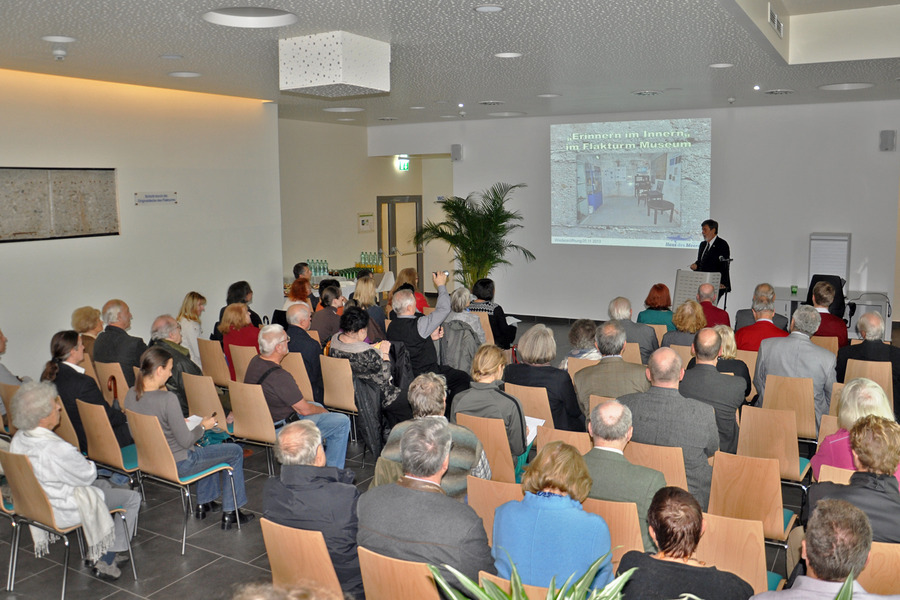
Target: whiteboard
x=829 y=254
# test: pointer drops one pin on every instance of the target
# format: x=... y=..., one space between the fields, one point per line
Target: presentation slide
x=630 y=183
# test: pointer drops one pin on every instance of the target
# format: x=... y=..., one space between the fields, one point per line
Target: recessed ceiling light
x=548 y=95
x=387 y=118
x=250 y=16
x=721 y=66
x=171 y=56
x=449 y=116
x=507 y=113
x=491 y=102
x=508 y=54
x=416 y=108
x=346 y=119
x=343 y=109
x=488 y=8
x=647 y=93
x=779 y=92
x=58 y=39
x=184 y=74
x=843 y=87
x=756 y=87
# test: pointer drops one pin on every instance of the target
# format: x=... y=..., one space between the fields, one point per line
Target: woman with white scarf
x=69 y=480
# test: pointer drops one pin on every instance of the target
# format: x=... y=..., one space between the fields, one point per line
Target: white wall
x=778 y=174
x=220 y=154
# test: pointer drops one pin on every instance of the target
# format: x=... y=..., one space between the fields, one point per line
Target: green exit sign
x=403 y=164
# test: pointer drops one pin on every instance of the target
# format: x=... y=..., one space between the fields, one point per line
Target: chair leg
x=128 y=540
x=78 y=534
x=65 y=539
x=13 y=556
x=270 y=463
x=186 y=505
x=234 y=498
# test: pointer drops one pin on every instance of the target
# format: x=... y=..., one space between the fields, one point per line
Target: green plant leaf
x=449 y=590
x=846 y=592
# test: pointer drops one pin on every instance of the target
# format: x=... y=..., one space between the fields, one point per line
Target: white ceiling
x=594 y=53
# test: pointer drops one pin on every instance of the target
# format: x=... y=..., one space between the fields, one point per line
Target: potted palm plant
x=477 y=228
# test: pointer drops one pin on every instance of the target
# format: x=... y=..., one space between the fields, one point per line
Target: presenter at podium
x=714 y=256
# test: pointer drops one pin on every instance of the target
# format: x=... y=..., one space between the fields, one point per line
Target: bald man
x=870 y=327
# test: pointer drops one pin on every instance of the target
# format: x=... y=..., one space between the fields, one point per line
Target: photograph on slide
x=634 y=183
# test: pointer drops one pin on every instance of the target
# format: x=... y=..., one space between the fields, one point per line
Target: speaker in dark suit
x=714 y=255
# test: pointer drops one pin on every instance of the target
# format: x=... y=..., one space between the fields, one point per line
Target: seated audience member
x=409 y=278
x=114 y=345
x=189 y=318
x=407 y=287
x=831 y=326
x=418 y=332
x=581 y=339
x=459 y=311
x=286 y=402
x=238 y=292
x=309 y=495
x=764 y=326
x=859 y=398
x=688 y=320
x=86 y=321
x=461 y=339
x=5 y=375
x=612 y=376
x=166 y=333
x=414 y=519
x=371 y=364
x=614 y=478
x=237 y=330
x=367 y=299
x=873 y=488
x=797 y=356
x=149 y=397
x=301 y=269
x=870 y=327
x=765 y=294
x=360 y=274
x=663 y=417
x=486 y=399
x=537 y=350
x=298 y=318
x=837 y=544
x=72 y=384
x=428 y=398
x=326 y=321
x=723 y=392
x=676 y=524
x=728 y=361
x=484 y=292
x=644 y=336
x=706 y=296
x=298 y=293
x=657 y=307
x=548 y=534
x=69 y=480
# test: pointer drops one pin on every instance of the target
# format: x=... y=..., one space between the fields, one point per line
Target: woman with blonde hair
x=86 y=321
x=537 y=351
x=688 y=320
x=366 y=298
x=188 y=317
x=237 y=330
x=409 y=277
x=548 y=534
x=485 y=398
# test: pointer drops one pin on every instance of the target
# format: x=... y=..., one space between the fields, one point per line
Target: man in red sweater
x=706 y=296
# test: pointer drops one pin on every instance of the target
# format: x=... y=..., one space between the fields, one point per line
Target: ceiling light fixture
x=647 y=93
x=184 y=74
x=491 y=102
x=416 y=108
x=779 y=92
x=449 y=116
x=507 y=113
x=58 y=39
x=756 y=87
x=722 y=65
x=343 y=109
x=346 y=119
x=387 y=118
x=548 y=95
x=843 y=87
x=253 y=17
x=508 y=54
x=488 y=8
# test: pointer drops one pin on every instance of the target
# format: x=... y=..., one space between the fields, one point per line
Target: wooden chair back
x=101 y=440
x=660 y=331
x=387 y=578
x=484 y=496
x=745 y=487
x=829 y=342
x=835 y=405
x=632 y=353
x=749 y=357
x=531 y=591
x=7 y=392
x=315 y=335
x=337 y=379
x=65 y=429
x=534 y=401
x=214 y=363
x=252 y=419
x=579 y=439
x=828 y=426
x=492 y=434
x=573 y=365
x=108 y=373
x=737 y=546
x=594 y=400
x=794 y=394
x=624 y=526
x=769 y=433
x=486 y=326
x=29 y=498
x=880 y=575
x=684 y=353
x=293 y=364
x=88 y=365
x=427 y=310
x=879 y=372
x=835 y=474
x=241 y=357
x=667 y=460
x=202 y=398
x=297 y=555
x=154 y=456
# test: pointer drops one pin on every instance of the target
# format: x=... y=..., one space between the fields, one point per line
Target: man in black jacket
x=114 y=345
x=871 y=328
x=298 y=318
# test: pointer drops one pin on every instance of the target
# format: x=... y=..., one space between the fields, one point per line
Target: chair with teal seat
x=738 y=546
x=155 y=460
x=102 y=446
x=770 y=433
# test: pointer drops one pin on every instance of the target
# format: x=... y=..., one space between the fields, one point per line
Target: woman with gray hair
x=536 y=350
x=70 y=482
x=859 y=398
x=581 y=337
x=459 y=307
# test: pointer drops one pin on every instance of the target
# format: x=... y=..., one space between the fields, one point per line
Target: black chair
x=279 y=317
